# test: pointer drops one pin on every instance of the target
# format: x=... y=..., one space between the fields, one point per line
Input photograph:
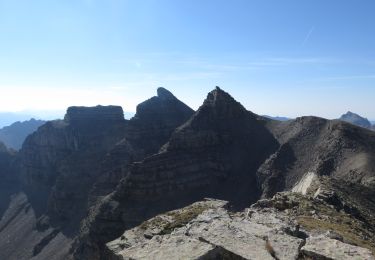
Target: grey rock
x=325 y=147
x=214 y=227
x=286 y=247
x=168 y=247
x=326 y=248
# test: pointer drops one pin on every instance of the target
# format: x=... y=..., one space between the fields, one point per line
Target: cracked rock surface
x=269 y=229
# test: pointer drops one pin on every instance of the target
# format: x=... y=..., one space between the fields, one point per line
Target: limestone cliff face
x=90 y=115
x=7 y=160
x=215 y=153
x=324 y=147
x=59 y=164
x=90 y=134
x=154 y=122
x=145 y=133
x=69 y=165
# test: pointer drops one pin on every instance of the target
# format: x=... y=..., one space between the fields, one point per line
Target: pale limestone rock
x=326 y=248
x=237 y=241
x=168 y=247
x=306 y=181
x=285 y=246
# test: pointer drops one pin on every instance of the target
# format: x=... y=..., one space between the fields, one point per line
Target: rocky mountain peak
x=165 y=103
x=165 y=94
x=355 y=119
x=217 y=107
x=218 y=96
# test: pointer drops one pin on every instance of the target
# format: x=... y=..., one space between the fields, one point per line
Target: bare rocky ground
x=317 y=225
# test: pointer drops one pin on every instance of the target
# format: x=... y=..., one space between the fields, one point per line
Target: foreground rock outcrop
x=279 y=228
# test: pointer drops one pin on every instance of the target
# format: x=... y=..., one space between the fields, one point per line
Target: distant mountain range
x=349 y=117
x=14 y=135
x=278 y=118
x=8 y=118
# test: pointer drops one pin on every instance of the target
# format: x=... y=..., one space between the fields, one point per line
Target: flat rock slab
x=286 y=247
x=326 y=248
x=169 y=247
x=237 y=241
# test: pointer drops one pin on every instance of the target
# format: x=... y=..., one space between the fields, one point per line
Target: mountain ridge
x=81 y=182
x=15 y=134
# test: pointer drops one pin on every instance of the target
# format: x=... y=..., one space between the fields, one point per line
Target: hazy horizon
x=288 y=58
x=59 y=114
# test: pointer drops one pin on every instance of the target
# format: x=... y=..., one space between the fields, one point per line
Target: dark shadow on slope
x=271 y=175
x=7 y=189
x=38 y=198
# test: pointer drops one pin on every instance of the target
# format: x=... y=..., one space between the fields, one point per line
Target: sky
x=280 y=58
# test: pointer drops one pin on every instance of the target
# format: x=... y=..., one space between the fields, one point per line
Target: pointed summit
x=223 y=104
x=155 y=120
x=219 y=95
x=164 y=93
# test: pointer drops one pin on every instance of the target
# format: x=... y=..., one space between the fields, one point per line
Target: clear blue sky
x=286 y=58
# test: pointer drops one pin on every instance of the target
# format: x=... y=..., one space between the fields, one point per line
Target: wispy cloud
x=308 y=35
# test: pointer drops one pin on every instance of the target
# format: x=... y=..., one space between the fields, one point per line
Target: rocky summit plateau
x=220 y=182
